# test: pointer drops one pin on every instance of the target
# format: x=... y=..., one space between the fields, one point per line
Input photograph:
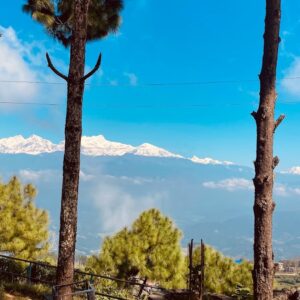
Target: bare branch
x=278 y=121
x=275 y=161
x=89 y=74
x=254 y=114
x=50 y=65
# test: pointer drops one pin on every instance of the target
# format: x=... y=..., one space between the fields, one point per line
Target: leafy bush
x=149 y=248
x=8 y=266
x=223 y=275
x=36 y=291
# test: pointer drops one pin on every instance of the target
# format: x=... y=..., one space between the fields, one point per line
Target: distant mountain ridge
x=93 y=146
x=207 y=199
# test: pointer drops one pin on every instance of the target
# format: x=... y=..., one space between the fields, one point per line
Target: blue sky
x=216 y=43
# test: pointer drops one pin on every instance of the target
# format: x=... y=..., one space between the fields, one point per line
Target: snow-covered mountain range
x=207 y=198
x=92 y=146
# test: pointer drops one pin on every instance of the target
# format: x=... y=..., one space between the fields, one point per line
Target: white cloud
x=13 y=67
x=81 y=236
x=290 y=85
x=285 y=191
x=285 y=36
x=41 y=175
x=25 y=61
x=210 y=161
x=296 y=191
x=137 y=180
x=282 y=190
x=238 y=184
x=294 y=171
x=86 y=177
x=118 y=208
x=133 y=80
x=230 y=184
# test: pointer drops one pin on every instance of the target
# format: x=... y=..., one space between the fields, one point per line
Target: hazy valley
x=207 y=198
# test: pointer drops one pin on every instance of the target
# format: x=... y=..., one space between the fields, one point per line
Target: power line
x=30 y=82
x=153 y=106
x=150 y=84
x=28 y=103
x=161 y=106
x=186 y=106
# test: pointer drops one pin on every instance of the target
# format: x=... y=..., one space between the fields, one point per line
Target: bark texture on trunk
x=265 y=163
x=71 y=164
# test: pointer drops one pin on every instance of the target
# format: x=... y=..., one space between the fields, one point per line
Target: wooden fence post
x=190 y=248
x=202 y=270
x=142 y=288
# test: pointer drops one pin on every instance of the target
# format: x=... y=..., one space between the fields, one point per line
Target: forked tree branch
x=89 y=74
x=50 y=65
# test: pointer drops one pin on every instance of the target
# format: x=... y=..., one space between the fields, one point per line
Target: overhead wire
x=150 y=84
x=28 y=103
x=152 y=106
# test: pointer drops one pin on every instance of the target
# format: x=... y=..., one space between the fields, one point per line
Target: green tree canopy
x=58 y=19
x=24 y=227
x=150 y=248
x=222 y=274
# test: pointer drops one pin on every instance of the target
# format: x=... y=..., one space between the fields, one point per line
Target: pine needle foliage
x=24 y=227
x=222 y=274
x=58 y=20
x=150 y=248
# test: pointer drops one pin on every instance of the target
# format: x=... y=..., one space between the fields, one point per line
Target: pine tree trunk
x=265 y=163
x=71 y=165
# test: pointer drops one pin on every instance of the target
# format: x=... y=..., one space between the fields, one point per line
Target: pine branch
x=50 y=65
x=93 y=70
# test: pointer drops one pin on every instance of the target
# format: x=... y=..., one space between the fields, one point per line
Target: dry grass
x=12 y=297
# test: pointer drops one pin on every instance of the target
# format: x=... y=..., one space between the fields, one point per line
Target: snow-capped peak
x=151 y=150
x=210 y=161
x=99 y=146
x=32 y=145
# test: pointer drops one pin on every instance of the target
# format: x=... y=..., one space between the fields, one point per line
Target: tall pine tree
x=74 y=23
x=265 y=163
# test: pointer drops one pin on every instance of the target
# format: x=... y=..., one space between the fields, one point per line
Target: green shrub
x=35 y=291
x=223 y=275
